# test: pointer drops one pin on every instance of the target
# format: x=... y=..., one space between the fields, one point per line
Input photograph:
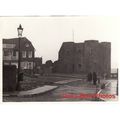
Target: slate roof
x=23 y=41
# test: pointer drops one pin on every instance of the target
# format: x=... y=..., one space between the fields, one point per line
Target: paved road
x=75 y=87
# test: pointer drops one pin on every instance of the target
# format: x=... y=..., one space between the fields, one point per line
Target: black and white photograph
x=60 y=58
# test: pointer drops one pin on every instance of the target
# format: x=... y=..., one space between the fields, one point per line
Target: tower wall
x=79 y=58
x=91 y=56
x=66 y=58
x=105 y=53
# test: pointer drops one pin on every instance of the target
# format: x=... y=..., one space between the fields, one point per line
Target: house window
x=17 y=54
x=24 y=65
x=24 y=54
x=14 y=53
x=29 y=54
x=8 y=45
x=6 y=53
x=30 y=65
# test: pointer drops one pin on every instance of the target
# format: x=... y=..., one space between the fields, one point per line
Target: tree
x=49 y=63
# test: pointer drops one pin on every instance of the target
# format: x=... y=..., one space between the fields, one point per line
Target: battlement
x=91 y=41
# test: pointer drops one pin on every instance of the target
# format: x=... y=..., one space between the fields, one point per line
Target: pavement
x=110 y=89
x=66 y=81
x=35 y=91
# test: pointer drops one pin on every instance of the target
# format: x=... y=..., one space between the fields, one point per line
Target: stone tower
x=105 y=58
x=90 y=56
x=66 y=58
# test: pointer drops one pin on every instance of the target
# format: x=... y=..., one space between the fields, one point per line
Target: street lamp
x=20 y=30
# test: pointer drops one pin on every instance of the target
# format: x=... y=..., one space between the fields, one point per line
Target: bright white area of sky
x=48 y=33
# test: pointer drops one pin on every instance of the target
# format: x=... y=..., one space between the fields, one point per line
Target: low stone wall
x=9 y=78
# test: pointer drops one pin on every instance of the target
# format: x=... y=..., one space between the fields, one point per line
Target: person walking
x=94 y=78
x=89 y=77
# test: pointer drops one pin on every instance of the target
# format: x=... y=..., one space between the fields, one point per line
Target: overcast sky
x=48 y=33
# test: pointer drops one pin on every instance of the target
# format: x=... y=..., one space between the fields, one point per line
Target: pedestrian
x=99 y=80
x=89 y=77
x=94 y=78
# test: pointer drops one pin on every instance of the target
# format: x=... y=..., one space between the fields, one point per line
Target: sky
x=48 y=33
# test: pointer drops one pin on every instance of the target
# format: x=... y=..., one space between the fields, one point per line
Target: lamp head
x=20 y=30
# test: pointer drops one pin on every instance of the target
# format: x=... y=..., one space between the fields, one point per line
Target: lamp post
x=20 y=30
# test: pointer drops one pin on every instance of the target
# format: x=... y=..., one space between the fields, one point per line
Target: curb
x=17 y=94
x=37 y=93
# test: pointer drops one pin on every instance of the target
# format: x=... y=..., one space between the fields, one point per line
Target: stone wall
x=90 y=56
x=105 y=50
x=9 y=78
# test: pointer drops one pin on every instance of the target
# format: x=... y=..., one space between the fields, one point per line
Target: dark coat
x=89 y=77
x=94 y=78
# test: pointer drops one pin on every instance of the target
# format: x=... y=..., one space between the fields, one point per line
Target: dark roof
x=38 y=58
x=23 y=41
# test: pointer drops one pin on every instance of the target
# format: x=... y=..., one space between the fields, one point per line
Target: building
x=90 y=56
x=37 y=64
x=10 y=53
x=114 y=73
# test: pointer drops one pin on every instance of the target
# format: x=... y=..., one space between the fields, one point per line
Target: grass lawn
x=33 y=82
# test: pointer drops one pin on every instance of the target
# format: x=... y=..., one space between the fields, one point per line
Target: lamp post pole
x=20 y=30
x=19 y=59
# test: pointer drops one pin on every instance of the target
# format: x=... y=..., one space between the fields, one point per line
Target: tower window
x=79 y=65
x=79 y=51
x=67 y=52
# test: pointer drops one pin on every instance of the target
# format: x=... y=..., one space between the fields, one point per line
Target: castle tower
x=66 y=58
x=105 y=58
x=91 y=56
